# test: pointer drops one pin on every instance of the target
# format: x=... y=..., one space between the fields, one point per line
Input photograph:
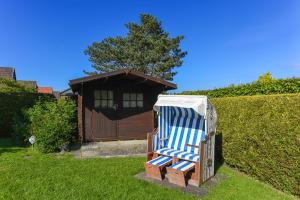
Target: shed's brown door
x=104 y=125
x=104 y=120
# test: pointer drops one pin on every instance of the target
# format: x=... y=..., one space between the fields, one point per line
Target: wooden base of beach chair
x=154 y=172
x=180 y=176
x=157 y=171
x=195 y=175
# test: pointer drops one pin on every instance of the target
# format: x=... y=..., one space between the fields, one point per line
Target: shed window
x=133 y=100
x=103 y=99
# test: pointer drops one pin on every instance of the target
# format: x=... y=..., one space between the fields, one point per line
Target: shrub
x=265 y=78
x=53 y=123
x=262 y=86
x=261 y=137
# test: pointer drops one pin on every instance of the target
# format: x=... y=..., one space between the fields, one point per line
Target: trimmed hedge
x=12 y=104
x=14 y=97
x=11 y=107
x=261 y=137
x=276 y=86
x=12 y=86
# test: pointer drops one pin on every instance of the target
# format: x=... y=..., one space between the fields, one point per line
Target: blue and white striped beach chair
x=186 y=128
x=186 y=132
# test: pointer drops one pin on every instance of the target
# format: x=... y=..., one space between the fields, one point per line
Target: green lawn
x=26 y=174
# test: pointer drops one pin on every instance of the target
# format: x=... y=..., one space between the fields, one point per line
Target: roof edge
x=118 y=72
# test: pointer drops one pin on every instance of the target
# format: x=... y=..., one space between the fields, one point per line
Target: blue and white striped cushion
x=179 y=154
x=159 y=161
x=182 y=165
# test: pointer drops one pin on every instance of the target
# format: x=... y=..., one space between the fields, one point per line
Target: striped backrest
x=165 y=117
x=164 y=120
x=186 y=127
x=178 y=127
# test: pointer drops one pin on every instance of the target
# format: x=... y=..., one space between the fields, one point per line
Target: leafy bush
x=261 y=137
x=53 y=123
x=265 y=78
x=261 y=87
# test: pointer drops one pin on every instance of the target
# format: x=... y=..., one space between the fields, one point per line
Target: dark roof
x=125 y=72
x=67 y=92
x=28 y=84
x=8 y=72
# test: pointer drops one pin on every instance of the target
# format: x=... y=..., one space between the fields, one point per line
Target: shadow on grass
x=7 y=145
x=219 y=159
x=10 y=150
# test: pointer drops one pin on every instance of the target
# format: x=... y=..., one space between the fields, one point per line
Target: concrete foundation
x=112 y=149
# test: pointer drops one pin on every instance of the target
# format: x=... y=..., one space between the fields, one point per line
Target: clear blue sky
x=228 y=42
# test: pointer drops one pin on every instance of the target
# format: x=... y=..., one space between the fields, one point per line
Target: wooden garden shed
x=117 y=105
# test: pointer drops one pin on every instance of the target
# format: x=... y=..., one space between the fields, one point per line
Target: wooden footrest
x=155 y=168
x=177 y=173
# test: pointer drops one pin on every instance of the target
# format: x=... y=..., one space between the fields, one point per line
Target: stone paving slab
x=112 y=149
x=201 y=191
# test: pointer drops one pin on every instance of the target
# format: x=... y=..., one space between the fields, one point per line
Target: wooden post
x=80 y=115
x=150 y=153
x=202 y=160
x=149 y=146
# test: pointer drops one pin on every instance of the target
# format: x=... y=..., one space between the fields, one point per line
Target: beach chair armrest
x=162 y=139
x=190 y=145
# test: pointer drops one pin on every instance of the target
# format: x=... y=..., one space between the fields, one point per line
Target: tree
x=146 y=48
x=265 y=78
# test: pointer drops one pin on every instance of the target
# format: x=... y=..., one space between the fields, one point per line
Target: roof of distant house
x=45 y=90
x=67 y=92
x=8 y=72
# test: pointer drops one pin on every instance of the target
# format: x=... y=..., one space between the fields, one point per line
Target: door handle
x=115 y=106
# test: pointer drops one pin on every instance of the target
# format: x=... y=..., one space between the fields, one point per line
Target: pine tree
x=146 y=48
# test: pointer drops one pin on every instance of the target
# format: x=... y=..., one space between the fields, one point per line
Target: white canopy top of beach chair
x=196 y=102
x=199 y=103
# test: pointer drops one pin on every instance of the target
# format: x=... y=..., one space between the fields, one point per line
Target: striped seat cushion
x=179 y=154
x=182 y=165
x=159 y=161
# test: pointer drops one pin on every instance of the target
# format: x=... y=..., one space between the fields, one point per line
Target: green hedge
x=12 y=105
x=14 y=97
x=261 y=137
x=12 y=86
x=276 y=86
